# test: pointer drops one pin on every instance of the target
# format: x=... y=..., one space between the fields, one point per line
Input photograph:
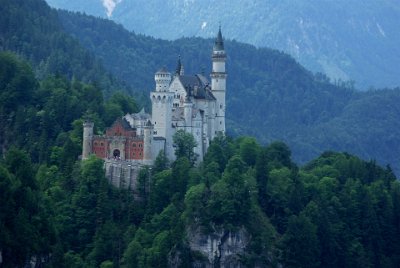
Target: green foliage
x=33 y=30
x=161 y=163
x=249 y=150
x=300 y=243
x=26 y=226
x=67 y=210
x=185 y=143
x=219 y=152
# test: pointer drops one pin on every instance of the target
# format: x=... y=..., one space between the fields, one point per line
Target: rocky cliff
x=221 y=248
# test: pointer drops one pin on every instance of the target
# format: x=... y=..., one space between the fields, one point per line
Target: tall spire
x=219 y=42
x=179 y=67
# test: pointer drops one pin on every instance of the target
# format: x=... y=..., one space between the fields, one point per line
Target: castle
x=179 y=101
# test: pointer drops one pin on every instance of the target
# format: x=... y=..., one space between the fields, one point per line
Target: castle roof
x=198 y=86
x=219 y=42
x=125 y=124
x=142 y=115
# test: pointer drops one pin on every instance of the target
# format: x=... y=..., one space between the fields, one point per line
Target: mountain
x=270 y=96
x=346 y=40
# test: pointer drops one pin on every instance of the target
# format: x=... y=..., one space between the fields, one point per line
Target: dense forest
x=286 y=102
x=57 y=211
x=32 y=30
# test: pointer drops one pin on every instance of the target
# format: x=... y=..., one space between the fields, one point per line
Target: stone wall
x=122 y=174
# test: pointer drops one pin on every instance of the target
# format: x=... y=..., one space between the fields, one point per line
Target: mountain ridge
x=343 y=39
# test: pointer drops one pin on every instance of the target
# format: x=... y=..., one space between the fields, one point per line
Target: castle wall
x=122 y=174
x=197 y=132
x=157 y=145
x=100 y=147
x=135 y=149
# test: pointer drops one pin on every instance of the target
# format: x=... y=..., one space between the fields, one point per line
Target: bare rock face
x=220 y=248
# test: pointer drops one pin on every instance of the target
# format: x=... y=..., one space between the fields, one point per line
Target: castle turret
x=161 y=100
x=87 y=139
x=218 y=82
x=163 y=79
x=148 y=137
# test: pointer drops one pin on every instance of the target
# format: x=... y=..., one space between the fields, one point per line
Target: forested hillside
x=270 y=96
x=32 y=30
x=343 y=39
x=57 y=211
x=41 y=139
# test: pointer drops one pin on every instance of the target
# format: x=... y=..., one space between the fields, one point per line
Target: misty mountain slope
x=347 y=40
x=270 y=96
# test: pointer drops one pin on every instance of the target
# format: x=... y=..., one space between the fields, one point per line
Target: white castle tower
x=161 y=100
x=218 y=81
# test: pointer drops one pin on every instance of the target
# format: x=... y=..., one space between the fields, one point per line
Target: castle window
x=140 y=145
x=102 y=144
x=95 y=143
x=133 y=144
